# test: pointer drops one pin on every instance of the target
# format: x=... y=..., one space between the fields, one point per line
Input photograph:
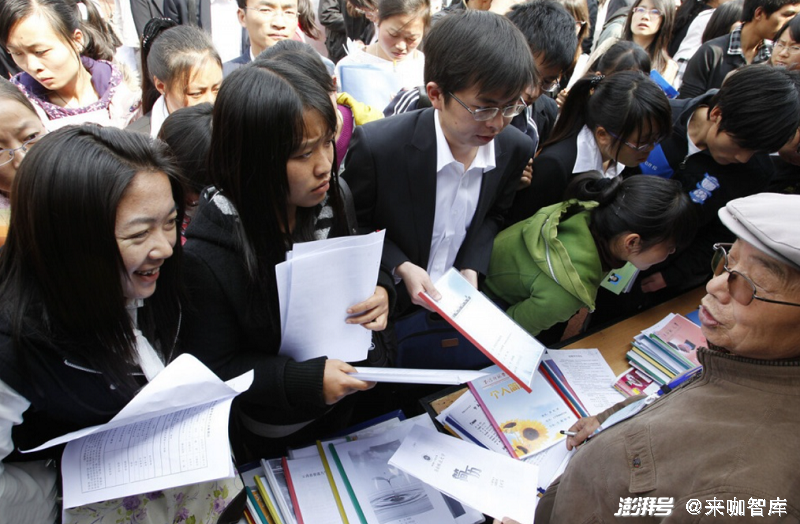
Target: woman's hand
x=373 y=313
x=337 y=384
x=584 y=428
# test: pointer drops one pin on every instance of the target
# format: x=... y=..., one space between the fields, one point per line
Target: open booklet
x=487 y=327
x=174 y=432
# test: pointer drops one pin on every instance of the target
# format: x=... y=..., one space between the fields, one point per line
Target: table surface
x=615 y=341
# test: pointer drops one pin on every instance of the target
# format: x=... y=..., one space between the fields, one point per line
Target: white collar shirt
x=457 y=193
x=590 y=158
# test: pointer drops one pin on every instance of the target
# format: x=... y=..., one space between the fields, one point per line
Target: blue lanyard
x=676 y=382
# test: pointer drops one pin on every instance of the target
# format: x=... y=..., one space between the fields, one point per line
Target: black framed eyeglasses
x=7 y=155
x=640 y=148
x=487 y=113
x=740 y=287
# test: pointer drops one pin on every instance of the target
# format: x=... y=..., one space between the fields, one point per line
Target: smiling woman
x=89 y=300
x=64 y=59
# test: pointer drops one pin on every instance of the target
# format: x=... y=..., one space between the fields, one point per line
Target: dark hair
x=9 y=91
x=685 y=15
x=498 y=60
x=187 y=132
x=760 y=106
x=170 y=54
x=304 y=58
x=307 y=20
x=657 y=209
x=579 y=10
x=390 y=8
x=793 y=26
x=258 y=124
x=60 y=267
x=768 y=6
x=658 y=47
x=623 y=103
x=99 y=40
x=549 y=30
x=624 y=55
x=722 y=19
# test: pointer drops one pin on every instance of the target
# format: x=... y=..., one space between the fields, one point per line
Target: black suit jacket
x=178 y=10
x=143 y=11
x=391 y=169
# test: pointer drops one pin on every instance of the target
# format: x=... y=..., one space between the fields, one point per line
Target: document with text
x=172 y=433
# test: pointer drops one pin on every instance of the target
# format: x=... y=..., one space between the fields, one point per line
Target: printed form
x=173 y=433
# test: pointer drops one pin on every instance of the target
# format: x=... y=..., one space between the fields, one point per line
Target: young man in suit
x=440 y=180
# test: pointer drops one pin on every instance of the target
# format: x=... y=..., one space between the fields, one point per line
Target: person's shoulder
x=716 y=45
x=140 y=125
x=403 y=122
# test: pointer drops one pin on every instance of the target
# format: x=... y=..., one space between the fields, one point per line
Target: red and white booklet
x=488 y=327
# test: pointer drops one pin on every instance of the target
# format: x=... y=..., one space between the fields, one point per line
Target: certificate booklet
x=488 y=327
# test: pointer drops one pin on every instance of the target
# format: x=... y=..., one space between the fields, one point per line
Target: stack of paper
x=318 y=282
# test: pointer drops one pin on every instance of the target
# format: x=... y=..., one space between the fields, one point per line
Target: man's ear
x=241 y=13
x=435 y=94
x=758 y=13
x=715 y=115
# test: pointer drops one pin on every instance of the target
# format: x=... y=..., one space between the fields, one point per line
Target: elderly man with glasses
x=720 y=444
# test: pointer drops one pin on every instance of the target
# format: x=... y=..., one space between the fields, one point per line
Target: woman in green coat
x=545 y=268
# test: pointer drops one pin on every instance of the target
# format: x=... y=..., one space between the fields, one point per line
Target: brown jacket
x=732 y=432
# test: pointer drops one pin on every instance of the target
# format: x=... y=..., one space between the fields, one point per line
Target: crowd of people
x=160 y=158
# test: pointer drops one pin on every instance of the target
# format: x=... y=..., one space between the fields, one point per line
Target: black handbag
x=425 y=340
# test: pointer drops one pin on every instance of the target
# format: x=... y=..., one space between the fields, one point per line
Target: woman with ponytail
x=180 y=68
x=64 y=50
x=544 y=269
x=606 y=124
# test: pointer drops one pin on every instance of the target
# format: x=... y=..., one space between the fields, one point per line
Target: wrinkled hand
x=337 y=384
x=584 y=428
x=527 y=176
x=417 y=280
x=653 y=283
x=471 y=276
x=373 y=313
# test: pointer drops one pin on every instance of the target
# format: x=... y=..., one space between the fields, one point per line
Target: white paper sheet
x=172 y=433
x=496 y=485
x=589 y=375
x=316 y=285
x=488 y=327
x=417 y=376
x=388 y=496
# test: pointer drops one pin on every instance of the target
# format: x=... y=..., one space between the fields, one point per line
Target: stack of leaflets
x=348 y=480
x=662 y=352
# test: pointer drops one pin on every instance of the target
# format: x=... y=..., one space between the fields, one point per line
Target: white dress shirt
x=457 y=192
